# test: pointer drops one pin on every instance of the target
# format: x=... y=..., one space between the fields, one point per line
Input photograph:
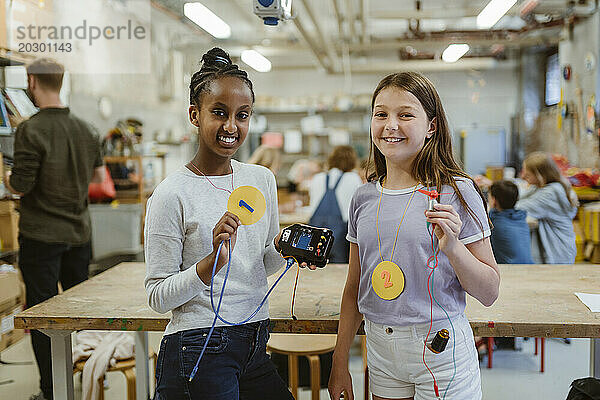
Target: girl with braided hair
x=186 y=221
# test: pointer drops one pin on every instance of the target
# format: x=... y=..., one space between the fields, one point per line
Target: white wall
x=158 y=99
x=476 y=101
x=585 y=39
x=497 y=99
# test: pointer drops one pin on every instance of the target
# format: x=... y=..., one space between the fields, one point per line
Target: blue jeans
x=234 y=366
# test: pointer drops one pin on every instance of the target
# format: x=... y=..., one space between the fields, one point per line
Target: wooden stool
x=125 y=366
x=310 y=346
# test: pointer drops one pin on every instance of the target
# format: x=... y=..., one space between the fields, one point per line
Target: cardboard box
x=7 y=207
x=591 y=222
x=10 y=289
x=3 y=25
x=12 y=302
x=595 y=256
x=8 y=334
x=494 y=173
x=579 y=241
x=9 y=231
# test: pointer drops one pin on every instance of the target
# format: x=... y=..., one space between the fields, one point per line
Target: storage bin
x=115 y=229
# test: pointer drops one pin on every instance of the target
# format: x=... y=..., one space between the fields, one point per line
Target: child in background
x=554 y=204
x=510 y=237
x=331 y=211
x=186 y=221
x=266 y=156
x=411 y=146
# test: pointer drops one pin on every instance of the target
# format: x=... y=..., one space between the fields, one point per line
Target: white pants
x=395 y=360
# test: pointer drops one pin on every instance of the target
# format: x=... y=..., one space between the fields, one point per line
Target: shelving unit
x=8 y=58
x=315 y=146
x=283 y=119
x=136 y=195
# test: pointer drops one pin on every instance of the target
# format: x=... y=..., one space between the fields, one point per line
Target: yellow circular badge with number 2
x=387 y=280
x=248 y=203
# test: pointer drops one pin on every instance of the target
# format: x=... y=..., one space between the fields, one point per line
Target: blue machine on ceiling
x=272 y=11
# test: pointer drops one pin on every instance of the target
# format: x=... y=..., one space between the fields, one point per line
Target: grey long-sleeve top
x=180 y=217
x=551 y=207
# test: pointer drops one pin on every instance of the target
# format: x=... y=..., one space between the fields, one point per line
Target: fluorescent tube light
x=256 y=60
x=207 y=20
x=493 y=12
x=454 y=51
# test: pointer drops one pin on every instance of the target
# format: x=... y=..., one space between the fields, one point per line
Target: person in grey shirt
x=554 y=204
x=189 y=231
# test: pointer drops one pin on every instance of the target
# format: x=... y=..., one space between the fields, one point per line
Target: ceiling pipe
x=510 y=38
x=180 y=18
x=334 y=62
x=364 y=13
x=351 y=18
x=466 y=12
x=384 y=67
x=246 y=12
x=436 y=43
x=312 y=45
x=432 y=65
x=347 y=68
x=414 y=24
x=340 y=21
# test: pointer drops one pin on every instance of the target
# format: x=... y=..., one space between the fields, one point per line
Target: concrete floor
x=515 y=374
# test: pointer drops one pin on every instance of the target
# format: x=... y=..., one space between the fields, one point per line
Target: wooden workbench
x=534 y=301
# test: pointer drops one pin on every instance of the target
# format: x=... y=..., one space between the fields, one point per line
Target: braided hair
x=215 y=64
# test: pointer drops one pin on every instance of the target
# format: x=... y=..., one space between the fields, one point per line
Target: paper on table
x=592 y=301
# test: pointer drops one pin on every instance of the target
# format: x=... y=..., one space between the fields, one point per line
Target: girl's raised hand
x=447 y=225
x=225 y=229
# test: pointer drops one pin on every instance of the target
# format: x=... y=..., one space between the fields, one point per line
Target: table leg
x=62 y=363
x=293 y=374
x=142 y=382
x=595 y=358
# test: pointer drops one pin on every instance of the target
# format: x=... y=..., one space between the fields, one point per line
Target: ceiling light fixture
x=493 y=12
x=454 y=51
x=207 y=20
x=256 y=60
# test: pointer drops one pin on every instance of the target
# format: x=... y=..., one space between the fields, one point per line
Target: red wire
x=434 y=258
x=209 y=181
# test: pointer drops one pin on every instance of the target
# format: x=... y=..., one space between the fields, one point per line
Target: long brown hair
x=342 y=158
x=434 y=165
x=546 y=171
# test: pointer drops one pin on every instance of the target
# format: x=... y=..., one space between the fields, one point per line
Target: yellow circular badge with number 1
x=388 y=280
x=248 y=203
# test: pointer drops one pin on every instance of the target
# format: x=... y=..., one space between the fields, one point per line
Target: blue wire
x=212 y=278
x=218 y=307
x=449 y=320
x=262 y=303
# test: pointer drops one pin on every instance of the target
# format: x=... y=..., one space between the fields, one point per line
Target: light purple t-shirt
x=413 y=248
